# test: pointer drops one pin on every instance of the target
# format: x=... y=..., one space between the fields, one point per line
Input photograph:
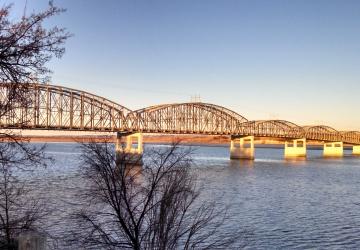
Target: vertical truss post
x=35 y=107
x=48 y=107
x=71 y=110
x=60 y=109
x=82 y=112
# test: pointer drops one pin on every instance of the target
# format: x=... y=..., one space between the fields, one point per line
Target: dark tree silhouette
x=25 y=48
x=155 y=206
x=19 y=211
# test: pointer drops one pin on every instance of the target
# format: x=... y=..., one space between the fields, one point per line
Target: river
x=277 y=204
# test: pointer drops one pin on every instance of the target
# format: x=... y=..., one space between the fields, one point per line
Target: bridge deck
x=59 y=108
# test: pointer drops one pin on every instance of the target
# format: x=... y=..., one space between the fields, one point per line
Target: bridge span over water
x=50 y=107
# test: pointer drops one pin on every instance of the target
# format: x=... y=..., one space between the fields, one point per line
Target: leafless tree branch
x=25 y=48
x=155 y=206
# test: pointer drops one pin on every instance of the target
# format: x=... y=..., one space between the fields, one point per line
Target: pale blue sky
x=293 y=60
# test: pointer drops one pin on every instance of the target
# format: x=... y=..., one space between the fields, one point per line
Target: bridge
x=50 y=107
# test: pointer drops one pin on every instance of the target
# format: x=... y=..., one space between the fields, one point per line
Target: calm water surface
x=277 y=204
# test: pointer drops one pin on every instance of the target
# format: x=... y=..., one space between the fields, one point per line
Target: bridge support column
x=242 y=148
x=295 y=148
x=356 y=150
x=333 y=149
x=128 y=153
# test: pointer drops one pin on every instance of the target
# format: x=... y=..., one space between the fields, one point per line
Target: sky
x=295 y=60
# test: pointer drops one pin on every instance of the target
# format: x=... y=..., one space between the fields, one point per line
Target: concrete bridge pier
x=333 y=149
x=356 y=150
x=242 y=148
x=126 y=152
x=295 y=148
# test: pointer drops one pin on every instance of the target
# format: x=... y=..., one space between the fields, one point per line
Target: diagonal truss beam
x=59 y=108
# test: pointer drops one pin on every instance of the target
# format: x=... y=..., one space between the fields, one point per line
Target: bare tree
x=19 y=211
x=25 y=48
x=155 y=206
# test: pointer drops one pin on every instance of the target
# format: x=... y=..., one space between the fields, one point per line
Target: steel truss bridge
x=58 y=108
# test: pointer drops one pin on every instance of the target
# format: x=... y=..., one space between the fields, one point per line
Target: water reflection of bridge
x=59 y=108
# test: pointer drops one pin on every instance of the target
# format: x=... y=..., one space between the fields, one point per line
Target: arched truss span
x=54 y=107
x=61 y=108
x=194 y=117
x=273 y=128
x=351 y=136
x=322 y=133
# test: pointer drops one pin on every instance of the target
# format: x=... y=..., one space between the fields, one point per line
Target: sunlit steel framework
x=60 y=108
x=55 y=107
x=188 y=118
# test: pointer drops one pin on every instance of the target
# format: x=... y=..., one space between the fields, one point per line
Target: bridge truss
x=58 y=108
